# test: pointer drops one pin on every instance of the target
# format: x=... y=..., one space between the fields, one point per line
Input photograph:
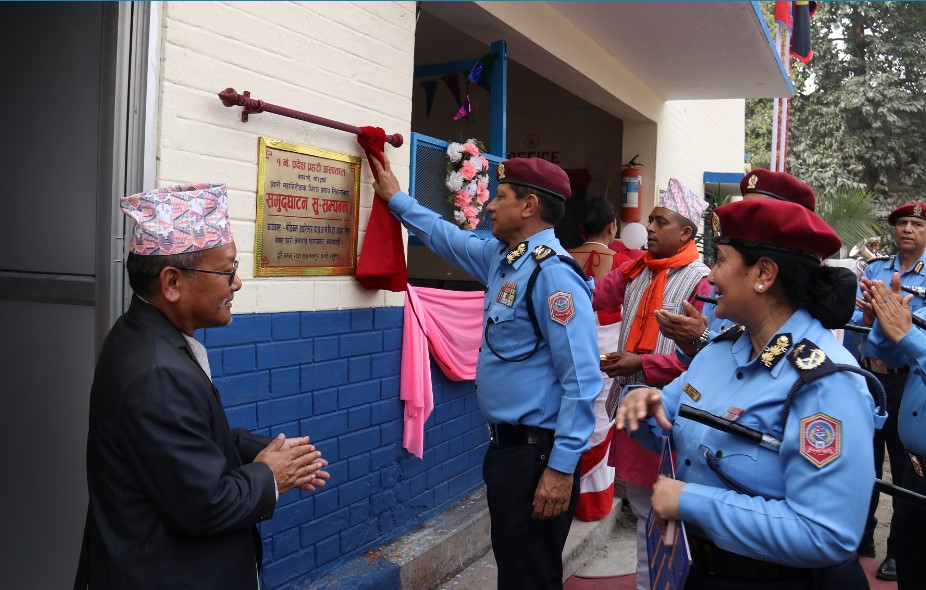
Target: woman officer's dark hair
x=827 y=292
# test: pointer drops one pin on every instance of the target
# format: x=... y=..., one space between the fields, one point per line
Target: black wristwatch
x=702 y=340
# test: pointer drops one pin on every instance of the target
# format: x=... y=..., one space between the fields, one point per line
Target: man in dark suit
x=175 y=493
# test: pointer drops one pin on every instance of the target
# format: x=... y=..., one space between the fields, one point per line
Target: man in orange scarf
x=667 y=274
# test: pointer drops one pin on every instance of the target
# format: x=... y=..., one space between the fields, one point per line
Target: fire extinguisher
x=631 y=182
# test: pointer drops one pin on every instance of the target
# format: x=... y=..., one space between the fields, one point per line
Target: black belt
x=508 y=434
x=876 y=366
x=709 y=559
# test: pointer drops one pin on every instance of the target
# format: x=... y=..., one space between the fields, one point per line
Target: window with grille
x=429 y=170
x=428 y=173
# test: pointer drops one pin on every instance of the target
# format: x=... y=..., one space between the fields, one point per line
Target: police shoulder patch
x=821 y=439
x=561 y=306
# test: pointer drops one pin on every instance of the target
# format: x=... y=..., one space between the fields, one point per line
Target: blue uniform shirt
x=882 y=269
x=817 y=487
x=552 y=391
x=909 y=350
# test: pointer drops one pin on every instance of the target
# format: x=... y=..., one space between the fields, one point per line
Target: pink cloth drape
x=449 y=324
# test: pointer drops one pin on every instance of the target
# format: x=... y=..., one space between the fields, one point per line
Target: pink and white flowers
x=468 y=181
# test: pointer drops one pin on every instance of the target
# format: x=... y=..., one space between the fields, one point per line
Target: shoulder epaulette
x=731 y=333
x=541 y=253
x=810 y=361
x=881 y=257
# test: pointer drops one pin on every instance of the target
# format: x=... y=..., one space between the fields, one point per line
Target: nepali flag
x=795 y=16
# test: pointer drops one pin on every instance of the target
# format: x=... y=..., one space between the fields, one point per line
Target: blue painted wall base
x=334 y=376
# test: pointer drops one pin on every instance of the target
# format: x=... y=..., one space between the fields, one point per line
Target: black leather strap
x=510 y=434
x=710 y=559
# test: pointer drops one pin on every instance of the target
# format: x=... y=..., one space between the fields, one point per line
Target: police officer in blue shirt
x=909 y=223
x=691 y=330
x=897 y=341
x=537 y=375
x=776 y=516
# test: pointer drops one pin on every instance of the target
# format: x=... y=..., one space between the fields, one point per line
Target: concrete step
x=423 y=558
x=453 y=550
x=582 y=553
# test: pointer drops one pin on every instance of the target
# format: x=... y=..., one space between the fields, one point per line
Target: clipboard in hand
x=668 y=563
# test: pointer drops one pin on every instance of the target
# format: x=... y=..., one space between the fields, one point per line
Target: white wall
x=694 y=136
x=353 y=62
x=347 y=61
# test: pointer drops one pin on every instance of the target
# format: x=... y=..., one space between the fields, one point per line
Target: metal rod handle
x=231 y=98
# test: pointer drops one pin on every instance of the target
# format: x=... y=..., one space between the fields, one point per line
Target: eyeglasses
x=230 y=273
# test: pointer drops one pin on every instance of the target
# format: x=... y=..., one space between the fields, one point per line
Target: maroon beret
x=908 y=210
x=778 y=225
x=535 y=173
x=778 y=185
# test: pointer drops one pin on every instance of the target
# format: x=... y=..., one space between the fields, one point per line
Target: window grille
x=428 y=172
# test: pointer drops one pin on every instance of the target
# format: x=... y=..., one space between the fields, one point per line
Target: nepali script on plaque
x=307 y=210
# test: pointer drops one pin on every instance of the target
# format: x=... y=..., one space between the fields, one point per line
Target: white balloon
x=633 y=235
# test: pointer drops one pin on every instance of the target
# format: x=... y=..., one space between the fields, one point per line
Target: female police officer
x=897 y=340
x=756 y=517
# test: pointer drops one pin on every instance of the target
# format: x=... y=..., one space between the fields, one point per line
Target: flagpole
x=785 y=108
x=773 y=155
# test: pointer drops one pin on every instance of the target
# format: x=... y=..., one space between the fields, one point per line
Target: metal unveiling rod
x=231 y=98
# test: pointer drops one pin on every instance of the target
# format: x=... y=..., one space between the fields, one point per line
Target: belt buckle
x=878 y=366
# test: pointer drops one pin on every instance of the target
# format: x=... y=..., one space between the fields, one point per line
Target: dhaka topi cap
x=908 y=210
x=535 y=173
x=178 y=219
x=682 y=200
x=776 y=225
x=778 y=185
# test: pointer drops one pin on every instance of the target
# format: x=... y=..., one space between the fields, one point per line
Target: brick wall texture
x=333 y=376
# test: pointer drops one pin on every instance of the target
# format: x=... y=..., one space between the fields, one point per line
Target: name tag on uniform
x=692 y=392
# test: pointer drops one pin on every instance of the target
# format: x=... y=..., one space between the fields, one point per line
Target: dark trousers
x=909 y=532
x=701 y=581
x=848 y=575
x=888 y=436
x=529 y=552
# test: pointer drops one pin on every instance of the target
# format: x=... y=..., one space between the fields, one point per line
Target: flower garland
x=468 y=181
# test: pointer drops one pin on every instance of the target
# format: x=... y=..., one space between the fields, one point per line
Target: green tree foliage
x=848 y=211
x=759 y=132
x=859 y=117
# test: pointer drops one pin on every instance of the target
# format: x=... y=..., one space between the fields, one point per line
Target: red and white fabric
x=596 y=477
